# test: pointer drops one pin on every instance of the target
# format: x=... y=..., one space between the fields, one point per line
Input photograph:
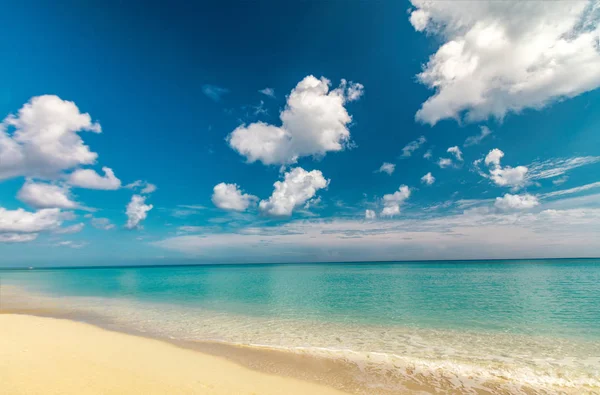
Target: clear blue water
x=534 y=297
x=465 y=312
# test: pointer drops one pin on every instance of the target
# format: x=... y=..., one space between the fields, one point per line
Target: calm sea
x=495 y=325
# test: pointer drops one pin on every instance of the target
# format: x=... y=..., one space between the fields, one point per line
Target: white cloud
x=560 y=181
x=387 y=168
x=313 y=203
x=137 y=211
x=76 y=228
x=71 y=244
x=557 y=167
x=42 y=195
x=149 y=188
x=471 y=235
x=428 y=154
x=214 y=92
x=514 y=177
x=445 y=162
x=573 y=190
x=21 y=221
x=370 y=214
x=428 y=179
x=355 y=90
x=268 y=92
x=474 y=140
x=393 y=201
x=500 y=57
x=17 y=237
x=185 y=210
x=516 y=202
x=419 y=19
x=230 y=197
x=314 y=122
x=493 y=157
x=102 y=223
x=42 y=139
x=144 y=187
x=88 y=178
x=509 y=176
x=297 y=187
x=456 y=152
x=413 y=146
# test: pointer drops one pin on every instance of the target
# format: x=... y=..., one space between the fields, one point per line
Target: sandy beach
x=40 y=355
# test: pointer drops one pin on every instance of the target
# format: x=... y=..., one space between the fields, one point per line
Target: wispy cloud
x=572 y=190
x=478 y=138
x=71 y=244
x=268 y=92
x=413 y=146
x=386 y=168
x=214 y=92
x=557 y=167
x=471 y=234
x=185 y=210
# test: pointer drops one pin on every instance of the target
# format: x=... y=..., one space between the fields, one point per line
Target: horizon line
x=142 y=266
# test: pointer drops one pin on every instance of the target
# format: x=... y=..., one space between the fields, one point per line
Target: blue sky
x=309 y=131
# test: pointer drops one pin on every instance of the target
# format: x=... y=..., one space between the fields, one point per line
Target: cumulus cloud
x=428 y=179
x=313 y=123
x=137 y=211
x=509 y=176
x=21 y=221
x=477 y=139
x=445 y=162
x=42 y=195
x=42 y=139
x=393 y=201
x=268 y=92
x=370 y=214
x=514 y=177
x=387 y=168
x=516 y=202
x=297 y=187
x=413 y=146
x=419 y=19
x=456 y=152
x=88 y=178
x=500 y=57
x=493 y=157
x=428 y=154
x=230 y=197
x=214 y=92
x=102 y=223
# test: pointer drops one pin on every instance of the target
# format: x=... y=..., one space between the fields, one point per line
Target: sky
x=237 y=132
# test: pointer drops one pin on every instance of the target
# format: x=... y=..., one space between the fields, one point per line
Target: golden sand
x=41 y=355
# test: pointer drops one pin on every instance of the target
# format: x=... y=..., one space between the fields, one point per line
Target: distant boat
x=30 y=267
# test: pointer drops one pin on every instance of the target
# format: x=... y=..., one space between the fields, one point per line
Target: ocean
x=515 y=326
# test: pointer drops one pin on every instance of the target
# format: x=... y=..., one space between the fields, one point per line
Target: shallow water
x=497 y=326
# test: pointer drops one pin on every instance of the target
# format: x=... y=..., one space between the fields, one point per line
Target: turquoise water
x=536 y=321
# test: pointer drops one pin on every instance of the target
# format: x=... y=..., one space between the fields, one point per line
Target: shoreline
x=346 y=370
x=334 y=374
